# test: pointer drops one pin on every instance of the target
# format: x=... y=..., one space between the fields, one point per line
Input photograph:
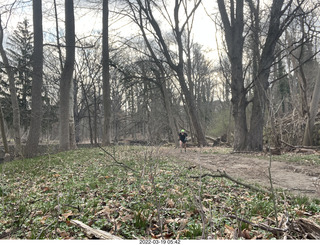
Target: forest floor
x=144 y=192
x=298 y=177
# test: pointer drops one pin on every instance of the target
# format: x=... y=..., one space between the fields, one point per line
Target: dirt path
x=294 y=177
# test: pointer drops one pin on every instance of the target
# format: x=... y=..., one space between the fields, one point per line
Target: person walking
x=183 y=140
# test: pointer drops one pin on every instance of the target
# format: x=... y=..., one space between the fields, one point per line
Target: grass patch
x=298 y=158
x=143 y=195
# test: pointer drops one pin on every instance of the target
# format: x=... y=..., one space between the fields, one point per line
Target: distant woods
x=138 y=73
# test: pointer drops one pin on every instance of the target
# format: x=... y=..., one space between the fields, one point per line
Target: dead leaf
x=38 y=213
x=66 y=215
x=245 y=233
x=170 y=220
x=183 y=224
x=142 y=188
x=45 y=189
x=301 y=213
x=170 y=203
x=168 y=235
x=126 y=218
x=63 y=234
x=104 y=211
x=258 y=237
x=43 y=220
x=229 y=231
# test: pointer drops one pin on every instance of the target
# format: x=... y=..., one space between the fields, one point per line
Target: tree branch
x=223 y=174
x=91 y=232
x=116 y=161
x=273 y=230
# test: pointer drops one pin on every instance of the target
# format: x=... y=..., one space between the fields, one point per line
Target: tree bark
x=3 y=132
x=252 y=139
x=13 y=94
x=37 y=81
x=66 y=76
x=233 y=28
x=106 y=138
x=314 y=105
x=88 y=109
x=72 y=130
x=167 y=104
x=261 y=84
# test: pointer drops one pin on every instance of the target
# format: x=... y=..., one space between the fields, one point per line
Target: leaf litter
x=159 y=200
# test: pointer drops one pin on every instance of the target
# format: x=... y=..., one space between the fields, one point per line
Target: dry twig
x=116 y=161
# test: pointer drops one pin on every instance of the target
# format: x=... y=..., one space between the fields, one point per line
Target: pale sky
x=204 y=29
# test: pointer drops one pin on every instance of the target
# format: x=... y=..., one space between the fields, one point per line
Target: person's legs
x=183 y=145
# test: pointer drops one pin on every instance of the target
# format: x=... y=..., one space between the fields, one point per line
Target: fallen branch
x=265 y=227
x=225 y=175
x=287 y=144
x=301 y=147
x=91 y=232
x=308 y=227
x=300 y=229
x=8 y=233
x=48 y=226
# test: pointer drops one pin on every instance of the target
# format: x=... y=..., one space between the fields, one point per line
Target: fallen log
x=309 y=228
x=210 y=138
x=302 y=148
x=295 y=229
x=94 y=233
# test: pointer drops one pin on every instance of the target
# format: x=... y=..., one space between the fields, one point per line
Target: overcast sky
x=88 y=21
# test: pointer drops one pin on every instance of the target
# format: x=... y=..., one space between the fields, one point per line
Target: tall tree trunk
x=37 y=80
x=13 y=94
x=106 y=138
x=314 y=105
x=233 y=28
x=72 y=130
x=89 y=112
x=252 y=139
x=167 y=104
x=76 y=114
x=180 y=73
x=66 y=76
x=58 y=35
x=261 y=84
x=192 y=109
x=3 y=132
x=95 y=116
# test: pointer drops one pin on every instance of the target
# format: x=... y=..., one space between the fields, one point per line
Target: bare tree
x=37 y=80
x=106 y=138
x=233 y=30
x=145 y=9
x=13 y=94
x=246 y=138
x=66 y=76
x=314 y=105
